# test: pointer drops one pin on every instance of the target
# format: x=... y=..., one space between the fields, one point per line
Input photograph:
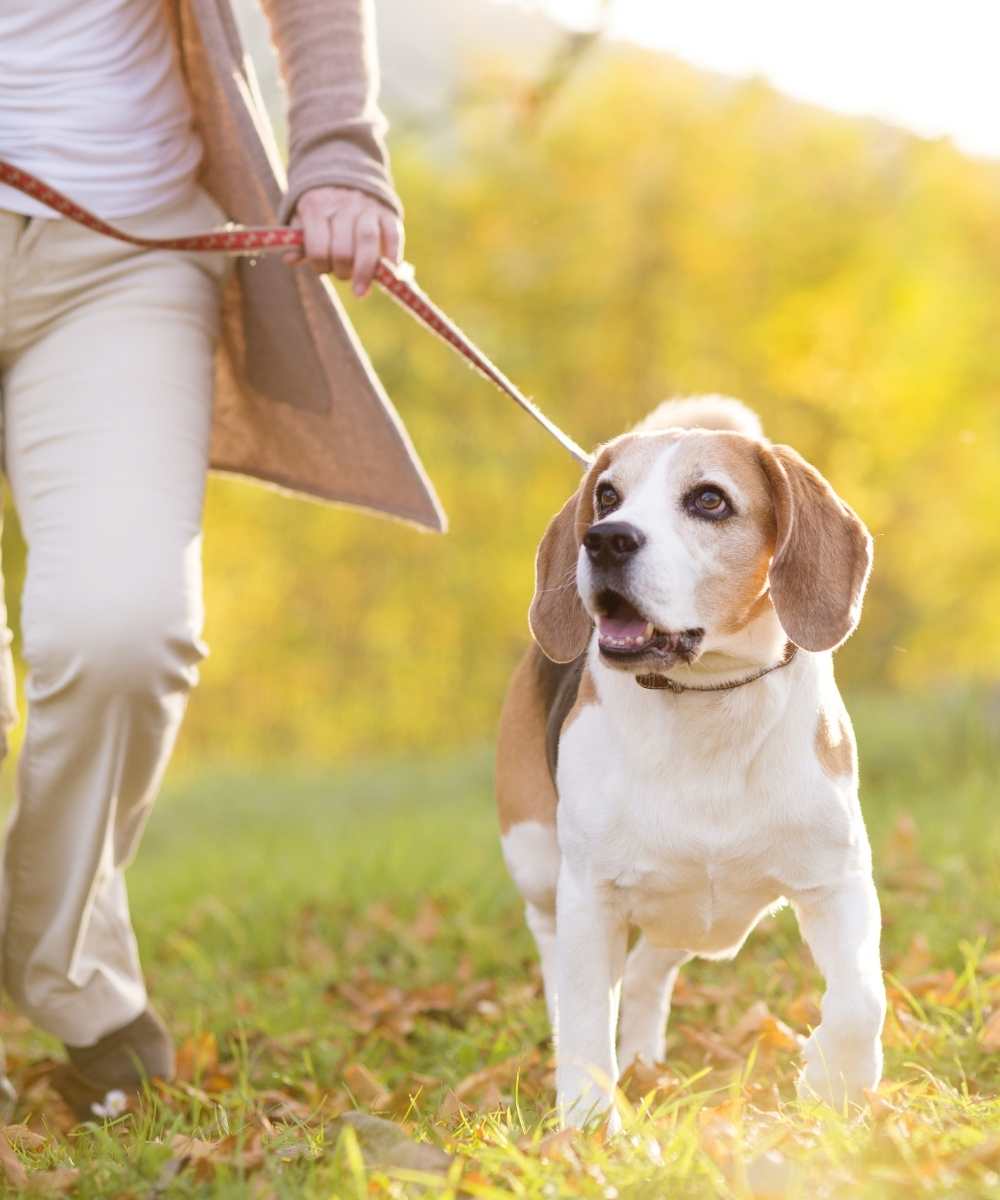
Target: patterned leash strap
x=398 y=281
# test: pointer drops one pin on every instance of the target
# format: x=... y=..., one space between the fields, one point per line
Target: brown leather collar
x=663 y=683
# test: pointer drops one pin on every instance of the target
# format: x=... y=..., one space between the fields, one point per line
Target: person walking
x=124 y=375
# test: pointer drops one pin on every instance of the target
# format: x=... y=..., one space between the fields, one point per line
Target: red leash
x=238 y=240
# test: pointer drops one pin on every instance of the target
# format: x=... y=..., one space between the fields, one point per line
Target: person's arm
x=339 y=186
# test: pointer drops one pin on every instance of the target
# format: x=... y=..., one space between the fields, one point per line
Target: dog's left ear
x=558 y=621
x=822 y=553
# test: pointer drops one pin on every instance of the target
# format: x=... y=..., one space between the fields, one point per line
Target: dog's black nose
x=611 y=543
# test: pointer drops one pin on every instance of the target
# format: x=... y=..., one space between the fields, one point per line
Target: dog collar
x=664 y=683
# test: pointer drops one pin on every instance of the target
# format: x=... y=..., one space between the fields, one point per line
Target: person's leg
x=107 y=397
x=8 y=680
x=10 y=227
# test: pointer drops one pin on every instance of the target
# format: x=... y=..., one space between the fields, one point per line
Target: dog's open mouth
x=623 y=633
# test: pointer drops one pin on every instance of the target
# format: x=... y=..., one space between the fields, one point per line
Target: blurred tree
x=660 y=232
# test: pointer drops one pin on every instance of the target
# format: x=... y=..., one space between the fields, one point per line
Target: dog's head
x=679 y=538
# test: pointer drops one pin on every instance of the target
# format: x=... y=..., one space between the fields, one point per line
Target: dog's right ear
x=822 y=556
x=559 y=623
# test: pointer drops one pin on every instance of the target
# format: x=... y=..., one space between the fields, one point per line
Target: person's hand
x=346 y=232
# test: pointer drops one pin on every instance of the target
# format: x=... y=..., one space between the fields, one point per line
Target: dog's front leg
x=591 y=938
x=843 y=1056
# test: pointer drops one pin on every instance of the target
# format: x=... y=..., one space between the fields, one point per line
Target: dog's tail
x=702 y=412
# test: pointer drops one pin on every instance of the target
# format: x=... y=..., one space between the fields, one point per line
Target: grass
x=329 y=941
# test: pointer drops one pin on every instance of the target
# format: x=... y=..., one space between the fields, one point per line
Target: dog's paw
x=839 y=1074
x=646 y=1050
x=583 y=1117
x=582 y=1100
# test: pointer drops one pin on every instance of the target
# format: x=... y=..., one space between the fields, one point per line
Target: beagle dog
x=674 y=756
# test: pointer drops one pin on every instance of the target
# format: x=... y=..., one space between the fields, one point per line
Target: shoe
x=99 y=1081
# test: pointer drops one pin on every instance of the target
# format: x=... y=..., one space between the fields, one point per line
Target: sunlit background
x=791 y=202
x=623 y=201
x=929 y=67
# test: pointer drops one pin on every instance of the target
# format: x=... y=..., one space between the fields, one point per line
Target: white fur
x=702 y=412
x=690 y=817
x=663 y=581
x=531 y=852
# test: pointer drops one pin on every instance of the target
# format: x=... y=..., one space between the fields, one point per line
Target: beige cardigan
x=296 y=400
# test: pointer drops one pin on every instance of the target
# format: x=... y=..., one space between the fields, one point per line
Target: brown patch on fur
x=822 y=556
x=541 y=701
x=757 y=607
x=524 y=787
x=834 y=746
x=559 y=622
x=737 y=593
x=586 y=694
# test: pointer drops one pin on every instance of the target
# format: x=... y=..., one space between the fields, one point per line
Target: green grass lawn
x=347 y=939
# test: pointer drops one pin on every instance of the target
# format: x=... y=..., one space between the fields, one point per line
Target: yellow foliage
x=662 y=233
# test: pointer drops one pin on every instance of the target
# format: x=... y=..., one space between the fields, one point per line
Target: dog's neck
x=656 y=683
x=743 y=655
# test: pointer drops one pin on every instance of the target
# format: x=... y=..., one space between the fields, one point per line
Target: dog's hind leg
x=542 y=923
x=650 y=974
x=532 y=855
x=527 y=801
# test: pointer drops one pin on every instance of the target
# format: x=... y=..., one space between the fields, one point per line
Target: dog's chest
x=687 y=879
x=694 y=837
x=701 y=904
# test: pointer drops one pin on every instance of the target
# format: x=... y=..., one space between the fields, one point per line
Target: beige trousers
x=106 y=378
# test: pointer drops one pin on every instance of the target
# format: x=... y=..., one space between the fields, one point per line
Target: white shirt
x=93 y=102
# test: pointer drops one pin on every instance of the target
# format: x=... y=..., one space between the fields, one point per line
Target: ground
x=348 y=939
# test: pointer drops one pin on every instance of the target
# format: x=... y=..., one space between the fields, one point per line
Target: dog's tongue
x=624 y=628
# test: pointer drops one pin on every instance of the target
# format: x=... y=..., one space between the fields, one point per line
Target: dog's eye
x=608 y=499
x=708 y=502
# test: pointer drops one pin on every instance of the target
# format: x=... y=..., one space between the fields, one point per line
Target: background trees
x=653 y=230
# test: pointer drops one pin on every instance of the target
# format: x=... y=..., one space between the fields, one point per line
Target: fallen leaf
x=711 y=1043
x=384 y=1145
x=903 y=1029
x=197 y=1055
x=642 y=1078
x=901 y=845
x=759 y=1022
x=804 y=1010
x=216 y=1082
x=13 y=1169
x=280 y=1106
x=558 y=1147
x=427 y=923
x=451 y=1107
x=58 y=1181
x=366 y=1086
x=25 y=1138
x=717 y=1132
x=916 y=960
x=187 y=1147
x=935 y=986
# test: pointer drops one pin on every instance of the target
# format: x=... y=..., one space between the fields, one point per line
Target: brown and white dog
x=674 y=755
